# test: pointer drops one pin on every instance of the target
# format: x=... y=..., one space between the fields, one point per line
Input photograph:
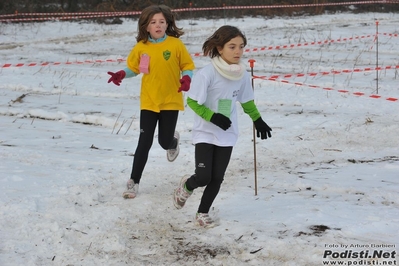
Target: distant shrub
x=62 y=6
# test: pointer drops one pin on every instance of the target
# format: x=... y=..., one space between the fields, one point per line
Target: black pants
x=210 y=166
x=166 y=129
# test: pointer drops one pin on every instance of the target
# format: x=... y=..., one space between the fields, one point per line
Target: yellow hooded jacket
x=167 y=60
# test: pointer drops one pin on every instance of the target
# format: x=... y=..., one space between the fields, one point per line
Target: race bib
x=224 y=107
x=144 y=64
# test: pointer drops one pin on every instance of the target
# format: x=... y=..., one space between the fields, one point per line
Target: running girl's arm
x=251 y=110
x=200 y=109
x=188 y=73
x=263 y=131
x=129 y=73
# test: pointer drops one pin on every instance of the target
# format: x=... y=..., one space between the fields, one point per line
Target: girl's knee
x=201 y=180
x=204 y=180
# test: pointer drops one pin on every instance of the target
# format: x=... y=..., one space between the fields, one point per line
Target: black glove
x=221 y=121
x=262 y=129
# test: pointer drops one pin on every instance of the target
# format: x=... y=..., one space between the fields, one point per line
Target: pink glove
x=185 y=83
x=117 y=77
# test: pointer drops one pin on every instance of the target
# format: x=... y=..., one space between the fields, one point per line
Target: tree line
x=67 y=6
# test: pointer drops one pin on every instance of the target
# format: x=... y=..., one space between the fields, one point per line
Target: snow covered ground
x=327 y=180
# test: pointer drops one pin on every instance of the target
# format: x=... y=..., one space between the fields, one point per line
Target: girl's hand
x=185 y=83
x=117 y=77
x=262 y=129
x=221 y=121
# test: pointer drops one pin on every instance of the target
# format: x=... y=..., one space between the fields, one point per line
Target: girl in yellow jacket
x=167 y=68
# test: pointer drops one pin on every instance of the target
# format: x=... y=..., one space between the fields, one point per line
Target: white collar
x=229 y=71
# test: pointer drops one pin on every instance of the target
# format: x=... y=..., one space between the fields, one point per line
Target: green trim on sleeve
x=251 y=110
x=200 y=109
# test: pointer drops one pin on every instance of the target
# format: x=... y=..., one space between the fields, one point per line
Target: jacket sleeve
x=188 y=73
x=200 y=109
x=129 y=73
x=251 y=110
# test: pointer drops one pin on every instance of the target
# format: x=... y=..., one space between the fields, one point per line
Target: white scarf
x=232 y=72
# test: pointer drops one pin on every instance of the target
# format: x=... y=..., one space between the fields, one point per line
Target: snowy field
x=327 y=181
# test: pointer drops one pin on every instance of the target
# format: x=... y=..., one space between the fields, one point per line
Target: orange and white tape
x=373 y=96
x=86 y=15
x=198 y=54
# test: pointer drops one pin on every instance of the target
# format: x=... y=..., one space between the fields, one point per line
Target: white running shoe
x=132 y=190
x=203 y=220
x=172 y=154
x=181 y=193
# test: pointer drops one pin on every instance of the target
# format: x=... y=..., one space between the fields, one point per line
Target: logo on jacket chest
x=235 y=93
x=166 y=55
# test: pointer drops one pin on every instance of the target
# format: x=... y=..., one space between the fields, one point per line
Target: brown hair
x=146 y=16
x=219 y=38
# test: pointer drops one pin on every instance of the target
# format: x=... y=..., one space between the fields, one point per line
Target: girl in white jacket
x=214 y=91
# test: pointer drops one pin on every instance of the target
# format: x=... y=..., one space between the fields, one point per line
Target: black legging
x=166 y=129
x=210 y=166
